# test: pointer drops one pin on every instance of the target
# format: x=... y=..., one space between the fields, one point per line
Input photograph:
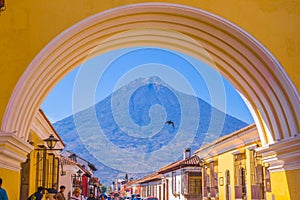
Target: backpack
x=32 y=197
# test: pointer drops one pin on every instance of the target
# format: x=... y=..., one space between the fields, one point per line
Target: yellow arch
x=240 y=58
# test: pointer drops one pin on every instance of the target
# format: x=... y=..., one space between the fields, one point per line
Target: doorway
x=227 y=186
x=25 y=177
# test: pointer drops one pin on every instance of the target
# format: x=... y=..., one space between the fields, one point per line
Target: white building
x=182 y=180
x=68 y=169
x=77 y=172
x=151 y=185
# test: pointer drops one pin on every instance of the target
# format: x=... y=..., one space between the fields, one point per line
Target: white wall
x=168 y=176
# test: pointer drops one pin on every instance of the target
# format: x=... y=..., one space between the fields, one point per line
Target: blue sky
x=115 y=69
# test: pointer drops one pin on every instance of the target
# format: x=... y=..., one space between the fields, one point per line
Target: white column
x=13 y=151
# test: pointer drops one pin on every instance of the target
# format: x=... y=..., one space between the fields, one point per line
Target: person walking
x=77 y=195
x=51 y=192
x=3 y=194
x=38 y=195
x=91 y=197
x=60 y=195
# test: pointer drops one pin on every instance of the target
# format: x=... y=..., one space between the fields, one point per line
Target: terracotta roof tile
x=68 y=161
x=150 y=177
x=192 y=161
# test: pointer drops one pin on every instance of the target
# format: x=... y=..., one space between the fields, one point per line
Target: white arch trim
x=249 y=66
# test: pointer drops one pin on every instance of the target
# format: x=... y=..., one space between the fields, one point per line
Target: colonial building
x=182 y=179
x=178 y=180
x=233 y=169
x=76 y=172
x=132 y=187
x=151 y=185
x=42 y=165
x=70 y=174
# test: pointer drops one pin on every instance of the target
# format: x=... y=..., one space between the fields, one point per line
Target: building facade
x=76 y=172
x=182 y=179
x=151 y=186
x=42 y=165
x=233 y=168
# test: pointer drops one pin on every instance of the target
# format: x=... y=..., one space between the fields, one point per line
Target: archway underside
x=249 y=67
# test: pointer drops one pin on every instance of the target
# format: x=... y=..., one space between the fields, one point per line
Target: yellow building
x=233 y=169
x=42 y=165
x=254 y=44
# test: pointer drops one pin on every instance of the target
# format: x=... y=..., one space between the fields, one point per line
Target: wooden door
x=25 y=177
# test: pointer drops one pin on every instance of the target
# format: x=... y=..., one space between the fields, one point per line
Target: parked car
x=136 y=197
x=151 y=198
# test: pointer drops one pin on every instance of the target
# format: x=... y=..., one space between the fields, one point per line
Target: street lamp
x=77 y=179
x=79 y=172
x=51 y=141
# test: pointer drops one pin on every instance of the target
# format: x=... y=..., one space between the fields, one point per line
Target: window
x=148 y=190
x=195 y=185
x=144 y=191
x=55 y=170
x=49 y=169
x=239 y=164
x=192 y=183
x=46 y=169
x=39 y=168
x=173 y=182
x=239 y=176
x=155 y=190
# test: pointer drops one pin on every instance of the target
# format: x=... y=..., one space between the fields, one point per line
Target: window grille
x=46 y=169
x=173 y=182
x=39 y=168
x=192 y=183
